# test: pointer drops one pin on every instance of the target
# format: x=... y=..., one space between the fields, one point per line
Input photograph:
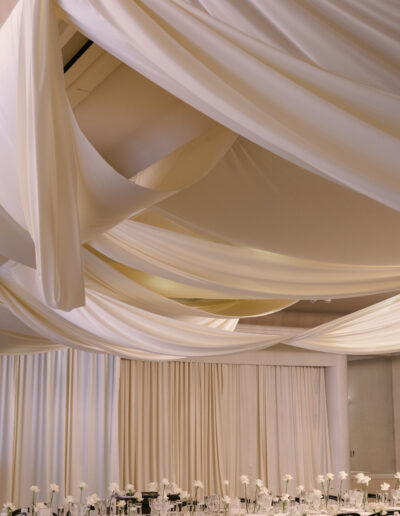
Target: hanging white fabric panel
x=218 y=421
x=47 y=432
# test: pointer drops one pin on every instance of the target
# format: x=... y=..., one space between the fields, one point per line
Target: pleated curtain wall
x=190 y=420
x=58 y=423
x=67 y=416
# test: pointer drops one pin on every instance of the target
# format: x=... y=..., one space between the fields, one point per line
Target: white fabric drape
x=59 y=423
x=374 y=329
x=218 y=421
x=220 y=267
x=319 y=99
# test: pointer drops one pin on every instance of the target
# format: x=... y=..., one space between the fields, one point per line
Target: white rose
x=34 y=489
x=366 y=479
x=285 y=497
x=129 y=487
x=138 y=496
x=330 y=476
x=226 y=500
x=343 y=475
x=9 y=506
x=320 y=479
x=54 y=488
x=244 y=479
x=359 y=477
x=69 y=499
x=264 y=490
x=113 y=487
x=259 y=482
x=397 y=475
x=300 y=489
x=287 y=477
x=40 y=505
x=82 y=485
x=152 y=486
x=317 y=492
x=184 y=495
x=385 y=486
x=226 y=482
x=121 y=504
x=165 y=482
x=198 y=484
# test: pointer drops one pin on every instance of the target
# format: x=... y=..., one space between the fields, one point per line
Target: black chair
x=371 y=495
x=333 y=497
x=387 y=513
x=349 y=514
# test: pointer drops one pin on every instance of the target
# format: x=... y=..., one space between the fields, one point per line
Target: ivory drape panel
x=189 y=420
x=58 y=423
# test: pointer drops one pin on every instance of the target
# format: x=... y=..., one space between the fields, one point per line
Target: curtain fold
x=190 y=420
x=59 y=423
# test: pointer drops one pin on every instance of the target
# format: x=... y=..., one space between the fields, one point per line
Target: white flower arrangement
x=397 y=477
x=152 y=486
x=35 y=490
x=121 y=505
x=385 y=486
x=68 y=500
x=40 y=505
x=285 y=499
x=226 y=487
x=342 y=477
x=92 y=499
x=198 y=484
x=53 y=488
x=138 y=496
x=82 y=485
x=164 y=482
x=359 y=477
x=130 y=488
x=264 y=490
x=244 y=479
x=226 y=501
x=9 y=507
x=184 y=495
x=286 y=479
x=317 y=492
x=113 y=487
x=300 y=490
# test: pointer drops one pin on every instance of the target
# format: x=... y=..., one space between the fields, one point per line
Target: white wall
x=371 y=419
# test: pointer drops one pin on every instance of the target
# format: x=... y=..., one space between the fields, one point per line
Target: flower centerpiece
x=226 y=501
x=300 y=490
x=197 y=484
x=164 y=484
x=244 y=480
x=285 y=499
x=226 y=487
x=82 y=486
x=329 y=480
x=364 y=481
x=385 y=491
x=259 y=485
x=91 y=501
x=53 y=488
x=9 y=507
x=397 y=477
x=40 y=505
x=138 y=496
x=121 y=506
x=35 y=490
x=342 y=477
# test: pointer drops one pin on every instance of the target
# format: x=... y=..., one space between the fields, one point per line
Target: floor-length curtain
x=190 y=420
x=58 y=423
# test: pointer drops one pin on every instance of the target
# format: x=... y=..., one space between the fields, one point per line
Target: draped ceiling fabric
x=262 y=169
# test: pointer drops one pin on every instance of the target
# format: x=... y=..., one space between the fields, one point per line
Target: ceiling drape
x=305 y=92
